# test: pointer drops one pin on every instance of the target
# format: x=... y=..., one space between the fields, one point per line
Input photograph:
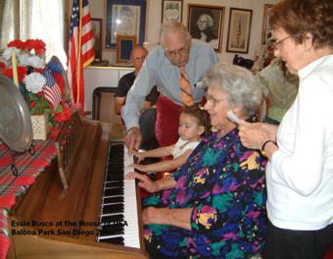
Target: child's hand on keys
x=139 y=155
x=138 y=167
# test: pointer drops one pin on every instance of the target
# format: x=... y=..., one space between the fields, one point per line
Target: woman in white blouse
x=300 y=172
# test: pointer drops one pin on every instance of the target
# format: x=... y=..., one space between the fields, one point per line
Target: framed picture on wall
x=206 y=24
x=239 y=30
x=125 y=17
x=265 y=35
x=97 y=29
x=125 y=45
x=172 y=10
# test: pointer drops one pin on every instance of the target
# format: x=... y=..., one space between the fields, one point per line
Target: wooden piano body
x=45 y=202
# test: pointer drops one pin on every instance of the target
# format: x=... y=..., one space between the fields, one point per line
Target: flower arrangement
x=40 y=83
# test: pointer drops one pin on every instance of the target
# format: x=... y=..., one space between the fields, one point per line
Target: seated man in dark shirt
x=148 y=114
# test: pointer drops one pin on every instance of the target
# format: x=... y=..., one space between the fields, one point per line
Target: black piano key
x=115 y=241
x=117 y=152
x=109 y=200
x=116 y=157
x=112 y=219
x=114 y=168
x=114 y=184
x=115 y=208
x=119 y=146
x=112 y=230
x=114 y=191
x=116 y=162
x=111 y=177
x=112 y=171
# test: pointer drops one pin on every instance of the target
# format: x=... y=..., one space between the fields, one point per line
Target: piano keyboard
x=119 y=216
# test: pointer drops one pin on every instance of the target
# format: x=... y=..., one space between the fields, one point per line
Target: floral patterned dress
x=224 y=183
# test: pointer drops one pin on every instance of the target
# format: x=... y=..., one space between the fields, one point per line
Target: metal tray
x=15 y=122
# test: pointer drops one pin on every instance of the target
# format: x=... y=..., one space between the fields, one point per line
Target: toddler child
x=193 y=124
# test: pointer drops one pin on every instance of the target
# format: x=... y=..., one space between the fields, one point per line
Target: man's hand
x=133 y=139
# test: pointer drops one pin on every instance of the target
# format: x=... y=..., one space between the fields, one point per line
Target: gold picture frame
x=124 y=47
x=97 y=29
x=265 y=34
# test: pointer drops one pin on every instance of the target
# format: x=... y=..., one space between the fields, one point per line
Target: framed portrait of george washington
x=206 y=22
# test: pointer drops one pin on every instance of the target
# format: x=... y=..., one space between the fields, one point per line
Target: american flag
x=51 y=90
x=81 y=48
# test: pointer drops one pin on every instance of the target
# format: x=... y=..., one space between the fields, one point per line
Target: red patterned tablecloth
x=29 y=166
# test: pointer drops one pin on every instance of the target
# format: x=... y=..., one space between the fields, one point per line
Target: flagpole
x=78 y=90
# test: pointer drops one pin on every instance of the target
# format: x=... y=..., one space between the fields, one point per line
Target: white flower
x=7 y=54
x=34 y=82
x=27 y=60
x=24 y=59
x=37 y=62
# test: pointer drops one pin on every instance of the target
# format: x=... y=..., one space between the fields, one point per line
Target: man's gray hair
x=239 y=85
x=173 y=26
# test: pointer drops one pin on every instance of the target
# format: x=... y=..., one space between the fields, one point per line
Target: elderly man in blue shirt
x=177 y=54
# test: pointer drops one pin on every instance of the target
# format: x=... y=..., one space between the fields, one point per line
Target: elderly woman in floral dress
x=214 y=206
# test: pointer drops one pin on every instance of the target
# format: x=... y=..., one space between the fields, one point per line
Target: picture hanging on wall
x=265 y=24
x=125 y=45
x=206 y=24
x=125 y=17
x=97 y=29
x=239 y=30
x=172 y=10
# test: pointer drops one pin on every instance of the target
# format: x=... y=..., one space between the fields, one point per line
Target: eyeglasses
x=182 y=51
x=278 y=44
x=214 y=101
x=139 y=58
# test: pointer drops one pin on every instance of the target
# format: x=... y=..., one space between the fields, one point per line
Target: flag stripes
x=51 y=90
x=81 y=48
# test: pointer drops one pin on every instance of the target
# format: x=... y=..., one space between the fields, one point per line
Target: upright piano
x=94 y=216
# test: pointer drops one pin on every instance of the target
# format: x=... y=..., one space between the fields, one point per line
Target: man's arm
x=142 y=86
x=118 y=103
x=130 y=112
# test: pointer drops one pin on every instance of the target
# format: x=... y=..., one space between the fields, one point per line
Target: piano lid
x=15 y=122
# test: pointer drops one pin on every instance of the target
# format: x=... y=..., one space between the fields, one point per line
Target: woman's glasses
x=212 y=100
x=277 y=44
